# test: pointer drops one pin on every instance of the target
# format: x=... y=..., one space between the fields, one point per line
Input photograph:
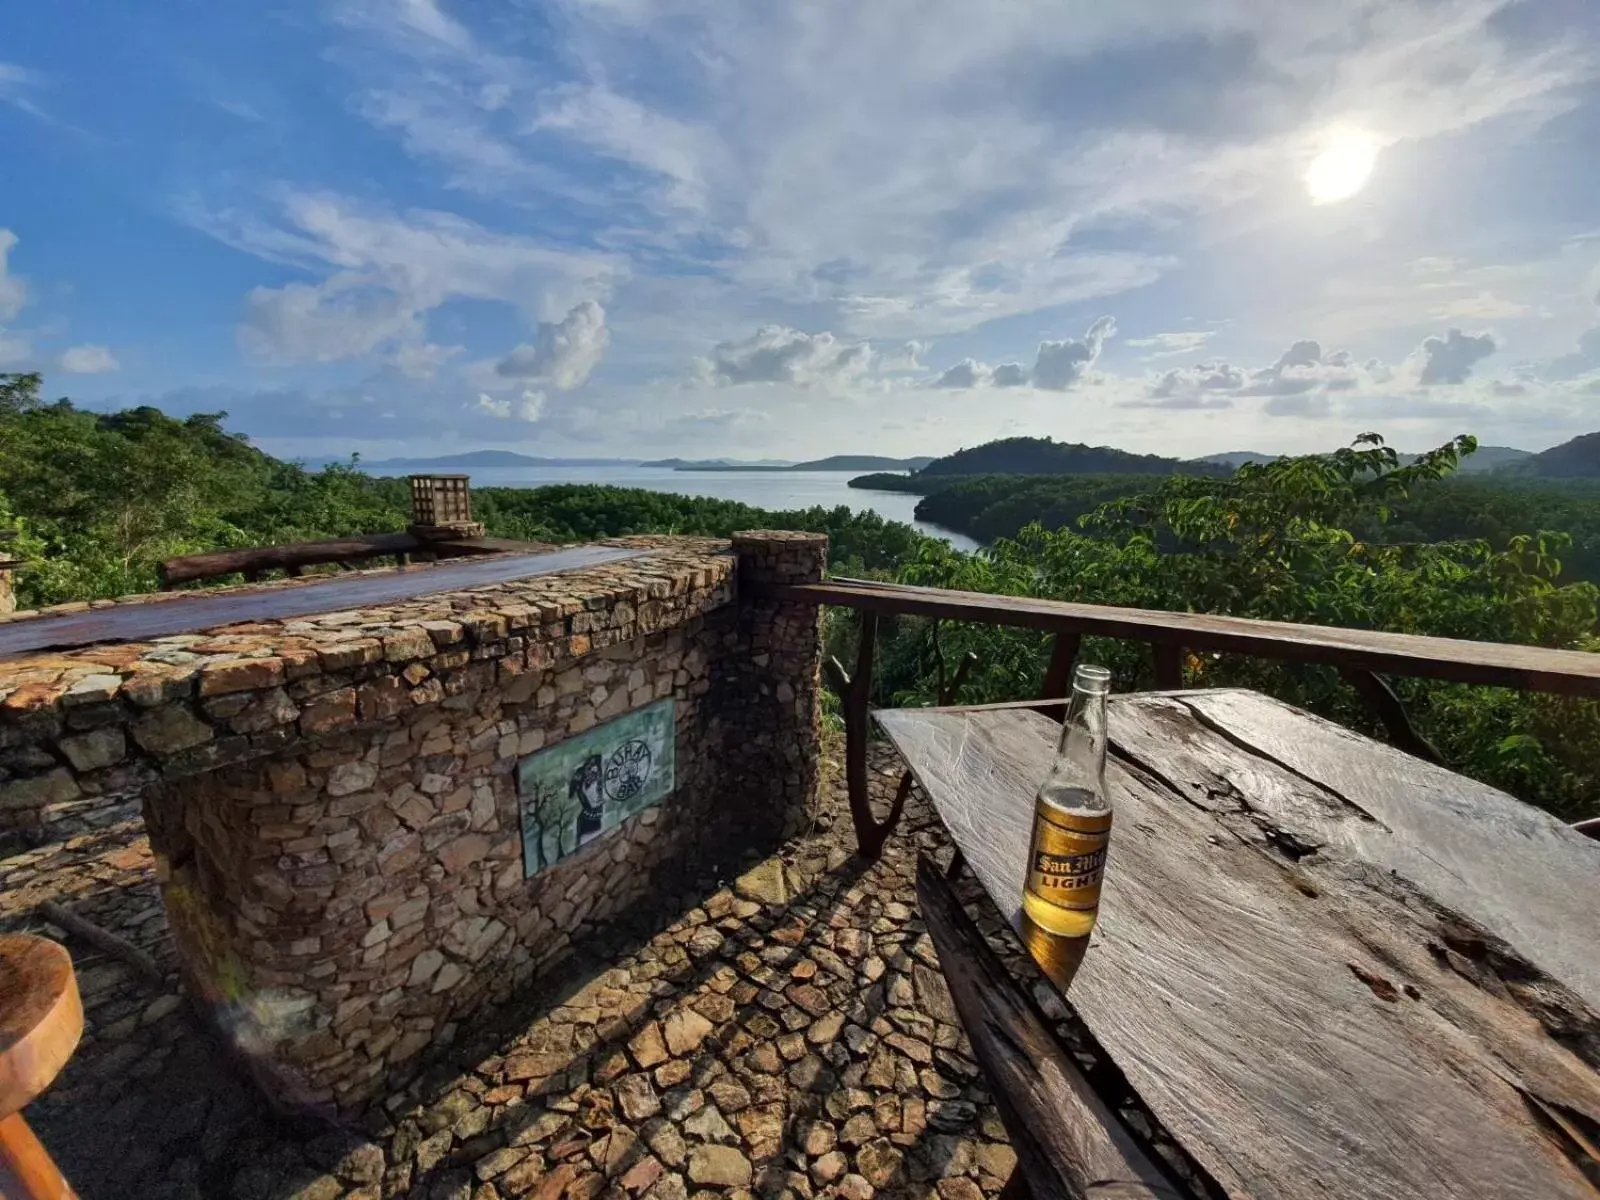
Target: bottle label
x=1068 y=858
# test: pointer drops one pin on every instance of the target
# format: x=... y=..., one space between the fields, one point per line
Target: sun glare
x=1343 y=167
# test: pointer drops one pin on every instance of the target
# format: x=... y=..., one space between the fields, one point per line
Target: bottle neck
x=1081 y=750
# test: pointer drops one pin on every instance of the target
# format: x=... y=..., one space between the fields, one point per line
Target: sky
x=783 y=228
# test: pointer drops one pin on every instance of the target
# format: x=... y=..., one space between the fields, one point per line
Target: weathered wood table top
x=1328 y=968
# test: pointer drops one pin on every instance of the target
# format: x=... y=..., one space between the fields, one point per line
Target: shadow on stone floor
x=799 y=1043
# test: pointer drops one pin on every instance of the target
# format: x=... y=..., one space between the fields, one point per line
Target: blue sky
x=767 y=228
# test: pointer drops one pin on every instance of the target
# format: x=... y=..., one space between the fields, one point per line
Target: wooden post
x=27 y=1172
x=1058 y=675
x=857 y=698
x=1380 y=698
x=1169 y=666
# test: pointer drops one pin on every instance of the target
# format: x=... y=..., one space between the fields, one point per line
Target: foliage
x=1494 y=508
x=993 y=506
x=1275 y=542
x=895 y=481
x=103 y=498
x=858 y=541
x=1358 y=538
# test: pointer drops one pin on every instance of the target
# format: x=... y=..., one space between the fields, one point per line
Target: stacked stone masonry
x=332 y=802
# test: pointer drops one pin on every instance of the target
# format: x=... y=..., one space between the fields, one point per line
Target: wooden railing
x=1362 y=657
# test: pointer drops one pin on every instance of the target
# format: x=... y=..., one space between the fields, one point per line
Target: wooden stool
x=41 y=1019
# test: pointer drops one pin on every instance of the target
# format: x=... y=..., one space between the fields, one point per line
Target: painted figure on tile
x=586 y=786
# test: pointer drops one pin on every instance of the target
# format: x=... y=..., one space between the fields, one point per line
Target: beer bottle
x=1072 y=817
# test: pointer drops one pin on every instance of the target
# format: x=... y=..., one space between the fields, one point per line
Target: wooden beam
x=1068 y=1143
x=254 y=560
x=1529 y=668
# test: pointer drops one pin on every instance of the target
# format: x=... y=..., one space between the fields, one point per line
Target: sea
x=763 y=489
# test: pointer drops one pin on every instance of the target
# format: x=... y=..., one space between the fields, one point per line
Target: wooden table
x=1328 y=968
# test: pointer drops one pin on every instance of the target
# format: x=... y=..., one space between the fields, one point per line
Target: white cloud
x=1450 y=359
x=905 y=358
x=720 y=418
x=13 y=291
x=673 y=133
x=777 y=354
x=1062 y=365
x=1164 y=345
x=970 y=373
x=530 y=405
x=1192 y=382
x=383 y=273
x=527 y=407
x=345 y=317
x=1483 y=306
x=15 y=83
x=564 y=353
x=1578 y=362
x=88 y=360
x=15 y=349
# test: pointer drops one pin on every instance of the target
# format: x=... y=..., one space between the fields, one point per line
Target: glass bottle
x=1072 y=817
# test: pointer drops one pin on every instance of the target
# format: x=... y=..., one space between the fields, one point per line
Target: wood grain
x=41 y=1017
x=1302 y=992
x=1068 y=1142
x=1529 y=668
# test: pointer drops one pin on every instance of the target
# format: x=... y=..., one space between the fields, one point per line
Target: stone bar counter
x=371 y=824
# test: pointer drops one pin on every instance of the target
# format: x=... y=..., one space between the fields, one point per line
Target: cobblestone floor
x=786 y=1034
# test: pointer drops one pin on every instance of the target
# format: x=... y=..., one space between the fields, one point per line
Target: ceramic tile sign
x=575 y=791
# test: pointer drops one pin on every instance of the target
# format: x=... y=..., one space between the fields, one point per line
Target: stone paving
x=780 y=1029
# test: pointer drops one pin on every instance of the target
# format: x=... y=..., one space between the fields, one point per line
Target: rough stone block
x=240 y=675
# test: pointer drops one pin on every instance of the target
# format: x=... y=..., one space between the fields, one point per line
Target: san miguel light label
x=1067 y=859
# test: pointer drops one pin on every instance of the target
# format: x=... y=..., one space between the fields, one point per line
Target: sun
x=1343 y=167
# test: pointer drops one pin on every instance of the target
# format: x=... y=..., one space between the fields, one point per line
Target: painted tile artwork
x=574 y=792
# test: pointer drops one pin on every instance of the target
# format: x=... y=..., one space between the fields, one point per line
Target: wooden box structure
x=441 y=506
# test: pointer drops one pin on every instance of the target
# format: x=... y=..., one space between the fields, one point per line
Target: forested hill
x=1045 y=456
x=1577 y=459
x=95 y=501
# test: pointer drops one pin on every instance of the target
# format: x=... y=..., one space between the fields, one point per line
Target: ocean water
x=763 y=489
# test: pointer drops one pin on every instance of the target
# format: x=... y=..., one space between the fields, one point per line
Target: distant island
x=837 y=462
x=1045 y=456
x=492 y=458
x=715 y=464
x=1235 y=458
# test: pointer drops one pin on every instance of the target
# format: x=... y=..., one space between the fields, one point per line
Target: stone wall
x=333 y=802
